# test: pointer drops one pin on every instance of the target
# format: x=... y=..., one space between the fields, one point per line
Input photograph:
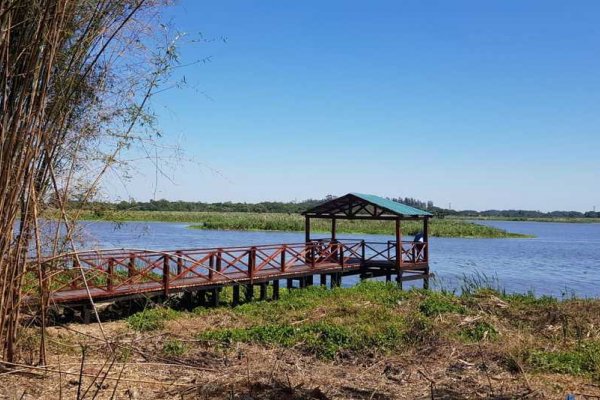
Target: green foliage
x=174 y=348
x=321 y=321
x=294 y=222
x=437 y=303
x=479 y=283
x=151 y=319
x=584 y=359
x=325 y=340
x=479 y=331
x=529 y=299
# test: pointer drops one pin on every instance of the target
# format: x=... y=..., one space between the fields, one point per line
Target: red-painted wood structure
x=75 y=279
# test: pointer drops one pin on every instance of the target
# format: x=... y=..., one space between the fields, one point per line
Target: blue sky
x=482 y=104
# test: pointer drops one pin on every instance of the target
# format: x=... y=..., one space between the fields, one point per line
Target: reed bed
x=295 y=223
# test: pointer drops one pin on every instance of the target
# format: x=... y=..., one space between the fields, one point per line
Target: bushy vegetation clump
x=151 y=319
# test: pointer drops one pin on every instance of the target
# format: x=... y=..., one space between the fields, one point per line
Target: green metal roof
x=393 y=206
x=357 y=204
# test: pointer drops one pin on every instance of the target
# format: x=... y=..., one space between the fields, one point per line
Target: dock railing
x=117 y=272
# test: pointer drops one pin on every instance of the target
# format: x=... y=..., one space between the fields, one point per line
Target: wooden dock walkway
x=113 y=275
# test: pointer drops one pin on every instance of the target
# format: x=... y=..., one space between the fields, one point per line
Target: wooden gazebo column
x=307 y=229
x=426 y=237
x=426 y=253
x=333 y=230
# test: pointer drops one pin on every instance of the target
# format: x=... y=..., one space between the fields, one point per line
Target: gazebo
x=402 y=256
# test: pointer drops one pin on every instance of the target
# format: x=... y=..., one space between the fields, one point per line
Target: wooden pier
x=77 y=279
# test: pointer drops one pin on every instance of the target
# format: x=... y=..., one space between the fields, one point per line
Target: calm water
x=564 y=259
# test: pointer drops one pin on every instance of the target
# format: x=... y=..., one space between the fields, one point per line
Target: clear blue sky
x=484 y=104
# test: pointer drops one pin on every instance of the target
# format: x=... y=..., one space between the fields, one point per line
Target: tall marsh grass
x=295 y=223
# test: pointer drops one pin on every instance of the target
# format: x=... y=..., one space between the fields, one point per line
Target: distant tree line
x=294 y=207
x=524 y=214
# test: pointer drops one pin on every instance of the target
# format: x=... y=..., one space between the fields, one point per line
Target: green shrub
x=174 y=347
x=437 y=303
x=584 y=359
x=479 y=331
x=151 y=319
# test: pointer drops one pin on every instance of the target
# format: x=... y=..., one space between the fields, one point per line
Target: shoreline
x=372 y=340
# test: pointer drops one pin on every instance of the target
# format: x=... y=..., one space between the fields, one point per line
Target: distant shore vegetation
x=248 y=221
x=296 y=207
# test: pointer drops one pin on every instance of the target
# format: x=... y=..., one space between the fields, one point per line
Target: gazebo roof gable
x=356 y=205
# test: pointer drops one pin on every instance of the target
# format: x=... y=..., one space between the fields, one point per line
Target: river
x=563 y=260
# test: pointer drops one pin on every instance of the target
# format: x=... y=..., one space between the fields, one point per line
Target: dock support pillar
x=276 y=289
x=336 y=280
x=323 y=279
x=263 y=291
x=290 y=283
x=86 y=314
x=309 y=280
x=426 y=279
x=214 y=298
x=249 y=292
x=236 y=295
x=201 y=297
x=188 y=300
x=399 y=279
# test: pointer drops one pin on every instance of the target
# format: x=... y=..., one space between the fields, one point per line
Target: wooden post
x=214 y=298
x=218 y=263
x=363 y=251
x=426 y=254
x=323 y=279
x=201 y=296
x=336 y=253
x=109 y=277
x=308 y=280
x=179 y=263
x=131 y=266
x=426 y=239
x=251 y=263
x=307 y=228
x=211 y=267
x=398 y=252
x=249 y=292
x=166 y=273
x=236 y=295
x=263 y=291
x=282 y=260
x=290 y=283
x=333 y=229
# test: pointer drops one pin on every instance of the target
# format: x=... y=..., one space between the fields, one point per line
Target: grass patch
x=584 y=359
x=438 y=303
x=321 y=339
x=151 y=319
x=479 y=331
x=174 y=348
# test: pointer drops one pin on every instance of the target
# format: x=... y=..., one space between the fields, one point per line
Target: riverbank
x=372 y=341
x=295 y=223
x=573 y=220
